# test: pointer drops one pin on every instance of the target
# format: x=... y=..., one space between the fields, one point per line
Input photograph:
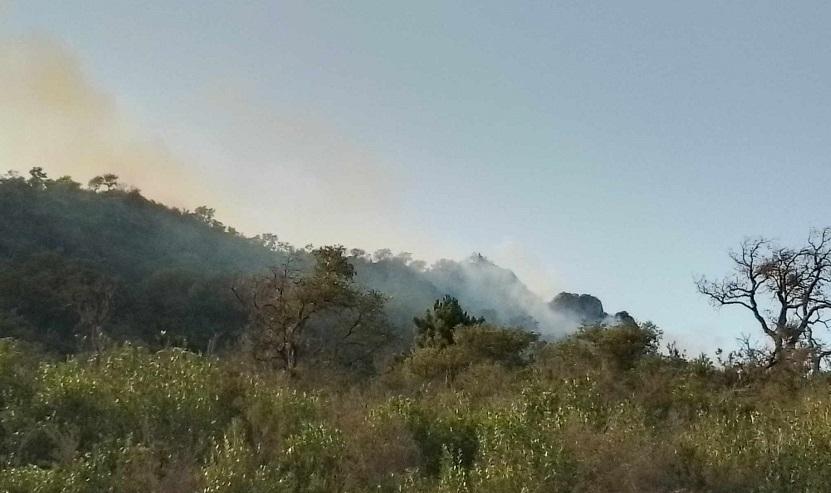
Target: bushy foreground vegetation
x=494 y=412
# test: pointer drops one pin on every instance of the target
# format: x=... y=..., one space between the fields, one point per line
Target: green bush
x=437 y=432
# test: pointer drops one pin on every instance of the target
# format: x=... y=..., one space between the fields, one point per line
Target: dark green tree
x=108 y=181
x=37 y=178
x=439 y=324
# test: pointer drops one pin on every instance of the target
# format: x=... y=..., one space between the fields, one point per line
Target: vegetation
x=75 y=262
x=146 y=349
x=293 y=314
x=599 y=411
x=439 y=325
x=159 y=275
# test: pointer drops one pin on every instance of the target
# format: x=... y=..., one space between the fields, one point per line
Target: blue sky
x=615 y=148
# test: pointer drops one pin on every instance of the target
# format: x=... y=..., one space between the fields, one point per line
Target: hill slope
x=169 y=270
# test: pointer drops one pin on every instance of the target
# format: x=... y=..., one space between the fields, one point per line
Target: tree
x=507 y=346
x=108 y=181
x=786 y=291
x=601 y=349
x=66 y=183
x=474 y=344
x=621 y=345
x=271 y=242
x=439 y=324
x=68 y=301
x=293 y=314
x=207 y=215
x=37 y=178
x=90 y=294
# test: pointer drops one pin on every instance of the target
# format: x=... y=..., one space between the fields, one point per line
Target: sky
x=614 y=148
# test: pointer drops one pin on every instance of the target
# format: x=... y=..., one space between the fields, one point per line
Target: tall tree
x=294 y=314
x=785 y=289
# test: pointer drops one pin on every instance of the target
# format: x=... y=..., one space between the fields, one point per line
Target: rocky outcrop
x=586 y=310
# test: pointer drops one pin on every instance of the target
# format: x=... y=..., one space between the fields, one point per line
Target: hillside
x=171 y=270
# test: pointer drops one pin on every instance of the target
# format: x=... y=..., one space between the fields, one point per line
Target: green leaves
x=439 y=324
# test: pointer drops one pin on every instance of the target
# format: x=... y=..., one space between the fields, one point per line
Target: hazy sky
x=615 y=148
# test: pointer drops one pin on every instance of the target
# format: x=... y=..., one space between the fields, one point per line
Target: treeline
x=73 y=258
x=78 y=259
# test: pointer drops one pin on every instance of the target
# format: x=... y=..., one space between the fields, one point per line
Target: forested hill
x=166 y=273
x=170 y=269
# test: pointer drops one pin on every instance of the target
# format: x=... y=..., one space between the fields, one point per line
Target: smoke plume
x=52 y=116
x=302 y=178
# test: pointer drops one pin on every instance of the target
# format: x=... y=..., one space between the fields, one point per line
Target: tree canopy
x=439 y=324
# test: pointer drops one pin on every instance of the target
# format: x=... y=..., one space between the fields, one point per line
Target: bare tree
x=786 y=291
x=293 y=313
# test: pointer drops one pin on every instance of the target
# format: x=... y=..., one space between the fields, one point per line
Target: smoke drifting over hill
x=483 y=287
x=264 y=169
x=54 y=116
x=51 y=115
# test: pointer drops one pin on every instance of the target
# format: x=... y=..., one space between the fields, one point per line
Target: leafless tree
x=786 y=291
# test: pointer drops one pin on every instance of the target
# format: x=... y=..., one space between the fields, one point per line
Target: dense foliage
x=167 y=270
x=599 y=411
